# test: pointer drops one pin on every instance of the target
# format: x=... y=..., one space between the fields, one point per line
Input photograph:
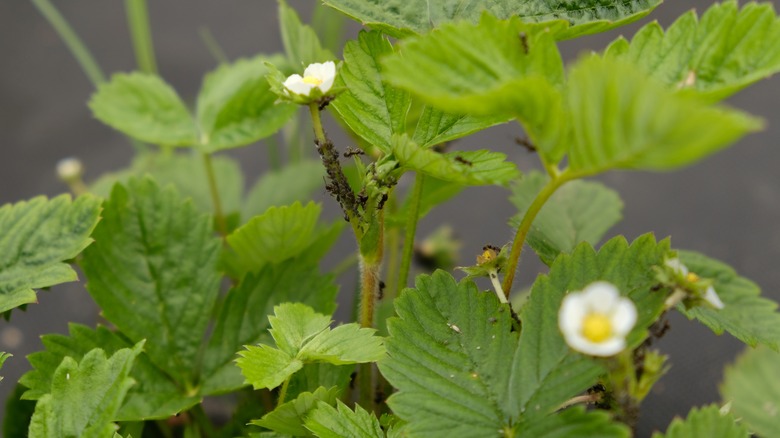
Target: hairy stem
x=141 y=32
x=547 y=191
x=411 y=229
x=215 y=199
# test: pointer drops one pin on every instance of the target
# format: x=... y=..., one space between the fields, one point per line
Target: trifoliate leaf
x=621 y=118
x=155 y=394
x=290 y=281
x=752 y=385
x=400 y=18
x=277 y=235
x=187 y=172
x=300 y=42
x=467 y=168
x=85 y=396
x=436 y=127
x=294 y=182
x=325 y=421
x=373 y=109
x=289 y=417
x=294 y=327
x=580 y=211
x=144 y=107
x=725 y=51
x=153 y=272
x=575 y=422
x=236 y=106
x=746 y=315
x=38 y=236
x=705 y=422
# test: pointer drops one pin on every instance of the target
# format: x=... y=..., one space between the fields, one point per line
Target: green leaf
x=575 y=422
x=746 y=315
x=236 y=106
x=467 y=168
x=85 y=396
x=18 y=413
x=290 y=281
x=154 y=395
x=293 y=182
x=752 y=385
x=371 y=108
x=153 y=272
x=579 y=211
x=342 y=422
x=434 y=192
x=144 y=107
x=303 y=336
x=38 y=236
x=314 y=375
x=186 y=172
x=436 y=127
x=300 y=41
x=724 y=52
x=706 y=422
x=277 y=235
x=288 y=418
x=400 y=18
x=621 y=118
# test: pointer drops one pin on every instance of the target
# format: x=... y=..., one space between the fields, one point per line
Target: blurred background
x=727 y=206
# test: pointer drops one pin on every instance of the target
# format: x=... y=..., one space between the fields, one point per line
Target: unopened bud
x=70 y=169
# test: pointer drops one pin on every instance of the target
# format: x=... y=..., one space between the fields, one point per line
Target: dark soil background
x=727 y=206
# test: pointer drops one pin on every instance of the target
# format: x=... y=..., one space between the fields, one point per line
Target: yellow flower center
x=597 y=327
x=311 y=80
x=691 y=277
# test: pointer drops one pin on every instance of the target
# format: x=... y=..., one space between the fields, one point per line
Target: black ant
x=524 y=42
x=462 y=160
x=352 y=151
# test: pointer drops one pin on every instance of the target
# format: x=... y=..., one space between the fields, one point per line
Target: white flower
x=596 y=320
x=69 y=169
x=318 y=75
x=709 y=295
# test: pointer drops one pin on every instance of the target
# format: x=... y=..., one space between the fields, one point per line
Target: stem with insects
x=215 y=199
x=141 y=32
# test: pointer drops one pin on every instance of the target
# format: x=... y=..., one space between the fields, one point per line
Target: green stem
x=215 y=199
x=212 y=45
x=411 y=229
x=140 y=30
x=316 y=120
x=202 y=420
x=283 y=391
x=525 y=225
x=74 y=43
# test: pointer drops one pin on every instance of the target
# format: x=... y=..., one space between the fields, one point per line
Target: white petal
x=712 y=297
x=327 y=82
x=623 y=317
x=601 y=296
x=609 y=347
x=572 y=313
x=321 y=71
x=295 y=84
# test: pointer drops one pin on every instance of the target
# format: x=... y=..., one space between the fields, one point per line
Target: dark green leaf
x=288 y=418
x=579 y=211
x=37 y=237
x=706 y=422
x=370 y=107
x=575 y=422
x=437 y=127
x=236 y=106
x=329 y=422
x=752 y=385
x=746 y=315
x=144 y=107
x=153 y=272
x=725 y=51
x=18 y=413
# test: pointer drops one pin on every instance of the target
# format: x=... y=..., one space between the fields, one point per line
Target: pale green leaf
x=290 y=281
x=154 y=395
x=401 y=18
x=705 y=422
x=38 y=236
x=342 y=422
x=575 y=422
x=266 y=367
x=752 y=385
x=724 y=52
x=85 y=396
x=293 y=182
x=467 y=168
x=580 y=211
x=236 y=106
x=277 y=235
x=187 y=172
x=746 y=315
x=144 y=107
x=371 y=108
x=289 y=417
x=314 y=375
x=345 y=344
x=620 y=118
x=300 y=41
x=294 y=324
x=436 y=127
x=153 y=272
x=3 y=357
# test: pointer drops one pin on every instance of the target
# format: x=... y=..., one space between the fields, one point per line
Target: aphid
x=526 y=143
x=462 y=160
x=454 y=328
x=524 y=42
x=381 y=290
x=382 y=201
x=492 y=320
x=353 y=151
